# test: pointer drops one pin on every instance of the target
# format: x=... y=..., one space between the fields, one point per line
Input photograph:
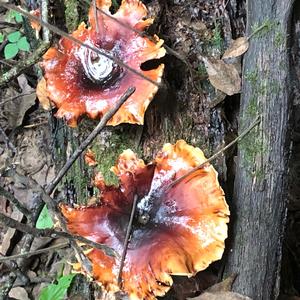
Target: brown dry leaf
x=223 y=286
x=221 y=290
x=222 y=76
x=220 y=295
x=15 y=105
x=10 y=233
x=41 y=92
x=18 y=293
x=237 y=48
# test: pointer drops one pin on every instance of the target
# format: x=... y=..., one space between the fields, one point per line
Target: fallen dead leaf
x=15 y=105
x=18 y=293
x=220 y=295
x=10 y=233
x=41 y=92
x=221 y=290
x=222 y=76
x=223 y=286
x=237 y=48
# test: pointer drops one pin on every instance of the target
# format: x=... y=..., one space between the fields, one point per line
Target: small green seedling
x=57 y=291
x=16 y=43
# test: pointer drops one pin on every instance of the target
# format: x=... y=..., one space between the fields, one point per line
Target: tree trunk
x=260 y=193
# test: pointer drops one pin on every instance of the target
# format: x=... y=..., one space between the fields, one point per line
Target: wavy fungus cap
x=179 y=231
x=79 y=81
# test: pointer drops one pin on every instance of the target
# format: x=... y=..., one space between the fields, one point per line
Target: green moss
x=108 y=154
x=279 y=39
x=264 y=28
x=217 y=39
x=252 y=147
x=252 y=77
x=275 y=87
x=201 y=71
x=71 y=14
x=252 y=108
x=78 y=174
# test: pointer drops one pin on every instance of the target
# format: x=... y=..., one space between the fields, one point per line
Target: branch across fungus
x=175 y=232
x=81 y=81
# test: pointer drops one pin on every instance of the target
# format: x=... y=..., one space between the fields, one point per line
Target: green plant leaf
x=57 y=291
x=18 y=17
x=23 y=44
x=11 y=50
x=13 y=15
x=1 y=37
x=14 y=36
x=44 y=221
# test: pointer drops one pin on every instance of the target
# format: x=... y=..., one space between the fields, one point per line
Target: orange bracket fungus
x=176 y=231
x=81 y=81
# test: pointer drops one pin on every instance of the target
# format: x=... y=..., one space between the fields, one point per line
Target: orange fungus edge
x=202 y=232
x=71 y=105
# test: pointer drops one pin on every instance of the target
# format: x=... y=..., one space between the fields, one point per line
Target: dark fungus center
x=99 y=70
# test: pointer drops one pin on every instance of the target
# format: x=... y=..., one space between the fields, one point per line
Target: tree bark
x=260 y=193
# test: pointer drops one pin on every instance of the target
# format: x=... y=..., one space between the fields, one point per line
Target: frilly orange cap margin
x=80 y=81
x=184 y=232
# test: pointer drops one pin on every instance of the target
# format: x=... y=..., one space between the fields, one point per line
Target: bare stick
x=50 y=188
x=44 y=17
x=8 y=99
x=12 y=199
x=142 y=34
x=7 y=221
x=96 y=16
x=71 y=38
x=34 y=186
x=242 y=135
x=126 y=241
x=36 y=252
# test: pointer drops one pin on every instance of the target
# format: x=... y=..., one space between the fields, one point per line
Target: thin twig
x=35 y=125
x=12 y=199
x=44 y=17
x=9 y=64
x=36 y=252
x=241 y=136
x=8 y=24
x=23 y=65
x=9 y=99
x=7 y=221
x=47 y=199
x=96 y=16
x=126 y=241
x=71 y=38
x=142 y=34
x=35 y=187
x=50 y=188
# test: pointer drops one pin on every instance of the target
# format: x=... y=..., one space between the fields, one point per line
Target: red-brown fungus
x=179 y=231
x=79 y=81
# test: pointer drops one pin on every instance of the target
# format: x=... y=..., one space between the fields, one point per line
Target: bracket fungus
x=176 y=231
x=82 y=81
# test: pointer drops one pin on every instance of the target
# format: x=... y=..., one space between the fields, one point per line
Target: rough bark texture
x=260 y=193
